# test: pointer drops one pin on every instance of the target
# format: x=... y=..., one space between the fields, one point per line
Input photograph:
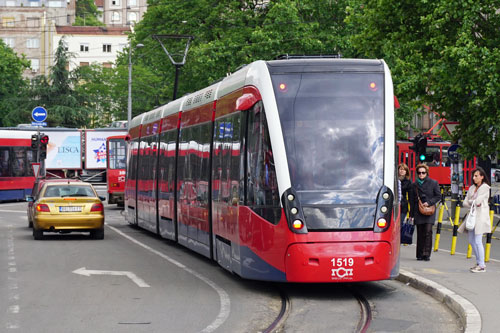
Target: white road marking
x=14 y=308
x=225 y=302
x=88 y=272
x=12 y=211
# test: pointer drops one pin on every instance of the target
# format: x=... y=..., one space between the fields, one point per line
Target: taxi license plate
x=70 y=209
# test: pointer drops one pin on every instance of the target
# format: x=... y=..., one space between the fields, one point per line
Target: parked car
x=35 y=193
x=68 y=206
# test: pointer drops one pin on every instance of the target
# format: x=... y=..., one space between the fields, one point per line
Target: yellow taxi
x=66 y=207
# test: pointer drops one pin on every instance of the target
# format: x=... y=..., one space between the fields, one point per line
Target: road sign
x=453 y=153
x=39 y=114
x=39 y=123
x=36 y=169
x=450 y=126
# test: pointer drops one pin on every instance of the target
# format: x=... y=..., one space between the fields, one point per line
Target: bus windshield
x=117 y=154
x=333 y=126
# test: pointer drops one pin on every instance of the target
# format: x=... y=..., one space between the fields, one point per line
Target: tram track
x=286 y=314
x=365 y=311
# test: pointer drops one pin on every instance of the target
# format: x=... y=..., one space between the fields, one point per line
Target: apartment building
x=121 y=12
x=90 y=45
x=25 y=26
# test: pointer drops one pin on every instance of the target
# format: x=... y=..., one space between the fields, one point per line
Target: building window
x=115 y=17
x=115 y=2
x=33 y=22
x=33 y=43
x=106 y=48
x=132 y=17
x=82 y=64
x=8 y=22
x=9 y=41
x=107 y=64
x=35 y=65
x=132 y=3
x=84 y=47
x=34 y=4
x=55 y=4
x=10 y=3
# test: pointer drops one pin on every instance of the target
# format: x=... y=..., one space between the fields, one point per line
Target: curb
x=466 y=311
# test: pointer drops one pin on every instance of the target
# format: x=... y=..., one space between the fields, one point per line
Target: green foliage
x=11 y=70
x=67 y=107
x=232 y=33
x=442 y=54
x=87 y=14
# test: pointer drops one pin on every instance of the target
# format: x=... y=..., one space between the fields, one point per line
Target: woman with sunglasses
x=478 y=195
x=427 y=191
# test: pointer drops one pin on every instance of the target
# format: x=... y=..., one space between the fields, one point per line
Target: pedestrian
x=427 y=191
x=478 y=195
x=406 y=193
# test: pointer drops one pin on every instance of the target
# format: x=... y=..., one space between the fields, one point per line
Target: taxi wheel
x=37 y=234
x=97 y=234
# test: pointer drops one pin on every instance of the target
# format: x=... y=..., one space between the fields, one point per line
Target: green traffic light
x=422 y=157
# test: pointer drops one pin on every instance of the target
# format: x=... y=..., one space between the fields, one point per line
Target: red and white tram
x=283 y=171
x=116 y=163
x=16 y=158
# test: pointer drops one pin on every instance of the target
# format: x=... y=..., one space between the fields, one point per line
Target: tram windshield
x=333 y=126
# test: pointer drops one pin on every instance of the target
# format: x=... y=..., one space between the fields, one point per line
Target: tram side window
x=16 y=162
x=262 y=189
x=132 y=161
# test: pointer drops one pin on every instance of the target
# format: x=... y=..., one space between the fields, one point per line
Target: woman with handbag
x=477 y=198
x=426 y=194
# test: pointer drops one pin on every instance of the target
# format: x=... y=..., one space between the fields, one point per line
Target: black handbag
x=407 y=230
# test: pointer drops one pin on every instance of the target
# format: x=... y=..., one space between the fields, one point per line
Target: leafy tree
x=231 y=33
x=87 y=14
x=444 y=55
x=11 y=70
x=66 y=106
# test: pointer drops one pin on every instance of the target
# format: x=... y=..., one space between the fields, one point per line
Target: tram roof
x=326 y=65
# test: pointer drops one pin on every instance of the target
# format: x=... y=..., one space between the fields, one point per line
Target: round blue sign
x=39 y=113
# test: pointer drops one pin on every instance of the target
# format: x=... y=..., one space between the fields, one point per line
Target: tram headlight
x=383 y=209
x=381 y=223
x=290 y=197
x=294 y=211
x=386 y=196
x=297 y=224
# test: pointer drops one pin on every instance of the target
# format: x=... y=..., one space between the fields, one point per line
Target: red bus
x=116 y=164
x=282 y=171
x=16 y=157
x=439 y=167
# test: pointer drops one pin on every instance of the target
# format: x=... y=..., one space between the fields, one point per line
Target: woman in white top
x=478 y=195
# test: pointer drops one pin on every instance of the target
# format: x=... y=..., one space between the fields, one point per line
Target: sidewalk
x=475 y=297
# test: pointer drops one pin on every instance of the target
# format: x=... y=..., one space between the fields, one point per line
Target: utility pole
x=178 y=64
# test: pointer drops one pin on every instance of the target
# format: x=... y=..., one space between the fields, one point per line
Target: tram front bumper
x=339 y=262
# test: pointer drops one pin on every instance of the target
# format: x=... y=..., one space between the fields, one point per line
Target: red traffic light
x=44 y=139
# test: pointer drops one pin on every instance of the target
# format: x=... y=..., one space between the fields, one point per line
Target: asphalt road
x=133 y=281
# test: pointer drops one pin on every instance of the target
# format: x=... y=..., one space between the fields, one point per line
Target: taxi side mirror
x=29 y=198
x=102 y=198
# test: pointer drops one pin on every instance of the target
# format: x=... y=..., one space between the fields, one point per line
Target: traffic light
x=421 y=148
x=34 y=141
x=44 y=140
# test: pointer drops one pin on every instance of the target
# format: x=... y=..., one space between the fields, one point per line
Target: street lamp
x=129 y=105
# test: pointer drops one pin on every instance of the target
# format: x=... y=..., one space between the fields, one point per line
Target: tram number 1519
x=342 y=268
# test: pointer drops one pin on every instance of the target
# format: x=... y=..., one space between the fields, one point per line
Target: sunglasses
x=422 y=172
